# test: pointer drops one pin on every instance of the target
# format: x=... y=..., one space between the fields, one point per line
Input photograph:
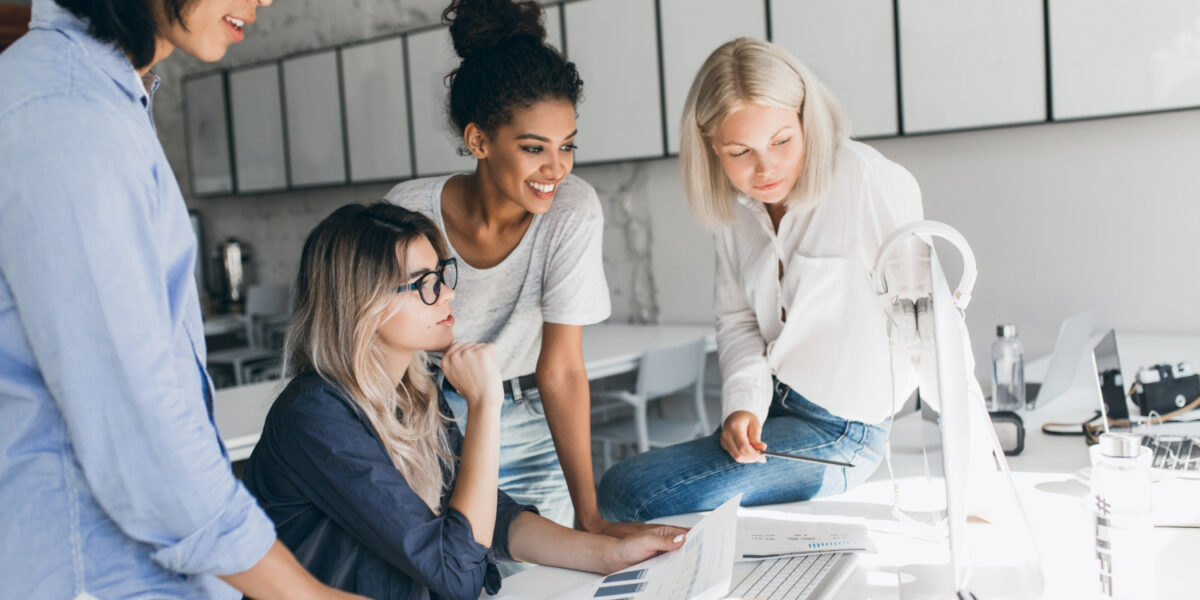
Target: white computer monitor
x=968 y=455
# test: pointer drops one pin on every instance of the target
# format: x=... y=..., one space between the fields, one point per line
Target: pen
x=824 y=461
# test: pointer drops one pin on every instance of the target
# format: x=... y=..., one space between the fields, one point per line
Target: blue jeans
x=700 y=475
x=529 y=469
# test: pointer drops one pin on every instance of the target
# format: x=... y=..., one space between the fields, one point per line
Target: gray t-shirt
x=554 y=275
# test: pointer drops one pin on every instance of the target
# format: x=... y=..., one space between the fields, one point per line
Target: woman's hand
x=472 y=369
x=633 y=550
x=619 y=529
x=741 y=437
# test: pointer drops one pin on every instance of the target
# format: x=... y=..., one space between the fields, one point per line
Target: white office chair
x=265 y=307
x=661 y=373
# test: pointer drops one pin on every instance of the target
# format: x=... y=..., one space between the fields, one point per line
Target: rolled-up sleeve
x=507 y=510
x=891 y=198
x=741 y=350
x=346 y=472
x=78 y=248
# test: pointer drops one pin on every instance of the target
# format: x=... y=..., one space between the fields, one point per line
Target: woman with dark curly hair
x=527 y=236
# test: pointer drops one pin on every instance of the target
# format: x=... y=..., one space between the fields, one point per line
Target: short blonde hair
x=751 y=71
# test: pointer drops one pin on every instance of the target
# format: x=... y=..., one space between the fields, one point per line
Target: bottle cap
x=1007 y=330
x=1120 y=445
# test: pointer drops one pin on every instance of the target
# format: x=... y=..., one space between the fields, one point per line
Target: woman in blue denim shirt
x=361 y=464
x=112 y=477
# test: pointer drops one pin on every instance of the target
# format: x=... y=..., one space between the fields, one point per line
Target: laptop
x=1175 y=446
x=805 y=577
x=1064 y=363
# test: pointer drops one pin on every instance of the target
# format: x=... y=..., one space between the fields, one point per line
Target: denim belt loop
x=781 y=388
x=518 y=395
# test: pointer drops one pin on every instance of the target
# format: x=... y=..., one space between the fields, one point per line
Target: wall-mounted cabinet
x=691 y=30
x=375 y=94
x=614 y=44
x=256 y=113
x=207 y=131
x=971 y=63
x=431 y=57
x=1123 y=56
x=375 y=110
x=313 y=105
x=851 y=47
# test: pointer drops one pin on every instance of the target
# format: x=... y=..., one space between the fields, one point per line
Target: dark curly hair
x=506 y=63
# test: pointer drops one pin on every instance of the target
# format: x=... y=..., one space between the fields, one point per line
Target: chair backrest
x=268 y=299
x=264 y=300
x=668 y=370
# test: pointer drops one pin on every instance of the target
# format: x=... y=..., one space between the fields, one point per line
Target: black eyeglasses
x=429 y=285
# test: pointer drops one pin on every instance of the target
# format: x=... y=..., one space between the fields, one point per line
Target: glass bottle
x=1008 y=370
x=1120 y=505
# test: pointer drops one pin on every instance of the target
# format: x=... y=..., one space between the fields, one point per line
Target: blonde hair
x=750 y=71
x=350 y=267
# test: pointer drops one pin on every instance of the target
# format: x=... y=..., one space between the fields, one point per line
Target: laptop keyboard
x=1174 y=453
x=790 y=578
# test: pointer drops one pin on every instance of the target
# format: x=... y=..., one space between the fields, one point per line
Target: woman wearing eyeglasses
x=527 y=235
x=361 y=466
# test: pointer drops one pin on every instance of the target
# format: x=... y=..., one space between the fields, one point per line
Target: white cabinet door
x=312 y=99
x=376 y=96
x=851 y=47
x=614 y=44
x=1123 y=56
x=971 y=63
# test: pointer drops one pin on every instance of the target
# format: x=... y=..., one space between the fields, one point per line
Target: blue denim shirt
x=343 y=508
x=113 y=482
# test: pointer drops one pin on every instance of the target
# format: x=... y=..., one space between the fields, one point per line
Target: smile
x=237 y=23
x=541 y=188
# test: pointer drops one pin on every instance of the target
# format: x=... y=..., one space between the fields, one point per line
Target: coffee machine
x=227 y=287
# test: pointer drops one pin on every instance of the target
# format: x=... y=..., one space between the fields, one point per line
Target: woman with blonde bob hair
x=361 y=466
x=798 y=211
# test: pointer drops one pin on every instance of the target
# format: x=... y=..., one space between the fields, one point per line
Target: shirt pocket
x=817 y=287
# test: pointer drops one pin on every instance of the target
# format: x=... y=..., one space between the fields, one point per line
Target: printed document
x=700 y=570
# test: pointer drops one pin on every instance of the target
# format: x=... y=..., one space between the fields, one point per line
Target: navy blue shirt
x=323 y=475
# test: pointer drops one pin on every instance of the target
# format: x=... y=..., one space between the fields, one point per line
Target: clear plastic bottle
x=1120 y=505
x=1008 y=370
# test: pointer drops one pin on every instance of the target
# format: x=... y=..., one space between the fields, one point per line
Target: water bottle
x=1120 y=504
x=1008 y=370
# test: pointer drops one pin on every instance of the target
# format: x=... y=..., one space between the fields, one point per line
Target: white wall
x=1062 y=217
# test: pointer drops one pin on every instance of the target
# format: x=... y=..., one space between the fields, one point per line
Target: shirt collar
x=47 y=14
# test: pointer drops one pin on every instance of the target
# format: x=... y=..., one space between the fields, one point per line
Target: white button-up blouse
x=831 y=344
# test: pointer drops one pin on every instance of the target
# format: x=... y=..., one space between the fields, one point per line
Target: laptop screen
x=1108 y=376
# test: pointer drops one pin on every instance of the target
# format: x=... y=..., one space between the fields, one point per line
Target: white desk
x=1044 y=476
x=223 y=324
x=608 y=349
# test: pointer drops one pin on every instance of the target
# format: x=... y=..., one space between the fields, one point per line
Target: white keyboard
x=1174 y=453
x=811 y=576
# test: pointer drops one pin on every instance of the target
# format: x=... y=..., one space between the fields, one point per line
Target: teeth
x=236 y=22
x=544 y=188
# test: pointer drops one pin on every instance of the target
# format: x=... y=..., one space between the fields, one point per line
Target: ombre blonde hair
x=350 y=267
x=750 y=71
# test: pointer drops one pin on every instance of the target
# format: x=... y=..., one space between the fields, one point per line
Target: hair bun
x=480 y=25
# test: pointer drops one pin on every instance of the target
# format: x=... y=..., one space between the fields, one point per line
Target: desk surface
x=1045 y=479
x=608 y=349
